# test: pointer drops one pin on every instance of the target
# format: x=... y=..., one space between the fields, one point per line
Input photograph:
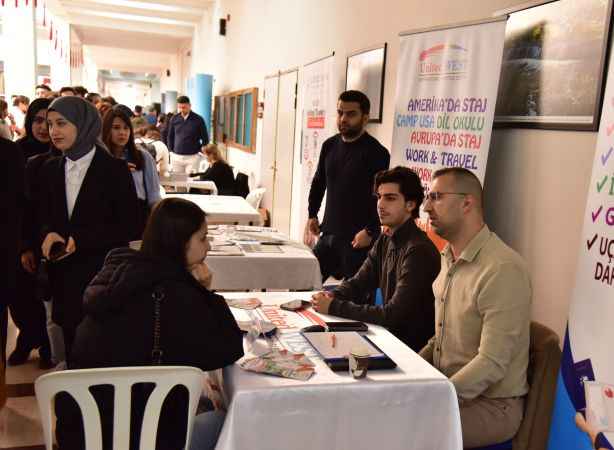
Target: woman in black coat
x=196 y=327
x=219 y=171
x=26 y=306
x=89 y=206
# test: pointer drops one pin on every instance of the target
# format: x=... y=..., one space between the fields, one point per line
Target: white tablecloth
x=208 y=185
x=412 y=407
x=224 y=208
x=295 y=268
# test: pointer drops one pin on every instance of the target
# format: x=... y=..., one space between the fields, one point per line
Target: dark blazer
x=34 y=192
x=103 y=218
x=12 y=200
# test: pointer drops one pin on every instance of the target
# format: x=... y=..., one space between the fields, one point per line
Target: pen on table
x=333 y=340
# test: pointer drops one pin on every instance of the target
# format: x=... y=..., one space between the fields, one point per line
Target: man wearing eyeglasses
x=482 y=312
x=403 y=263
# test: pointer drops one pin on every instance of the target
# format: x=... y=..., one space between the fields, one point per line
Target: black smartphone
x=347 y=326
x=57 y=251
x=295 y=305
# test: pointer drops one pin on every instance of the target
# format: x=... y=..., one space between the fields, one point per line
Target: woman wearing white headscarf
x=89 y=207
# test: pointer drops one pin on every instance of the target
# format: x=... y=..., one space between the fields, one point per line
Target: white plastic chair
x=78 y=382
x=255 y=197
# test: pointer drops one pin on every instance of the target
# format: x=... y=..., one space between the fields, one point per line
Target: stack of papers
x=281 y=363
x=258 y=248
x=600 y=405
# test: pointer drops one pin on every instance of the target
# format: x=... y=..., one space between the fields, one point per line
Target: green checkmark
x=601 y=184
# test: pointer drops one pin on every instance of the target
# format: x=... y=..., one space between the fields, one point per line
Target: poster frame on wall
x=377 y=116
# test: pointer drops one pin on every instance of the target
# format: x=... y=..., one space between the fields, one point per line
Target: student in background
x=89 y=207
x=42 y=91
x=93 y=98
x=80 y=91
x=150 y=137
x=6 y=131
x=118 y=136
x=27 y=308
x=219 y=171
x=196 y=327
x=67 y=91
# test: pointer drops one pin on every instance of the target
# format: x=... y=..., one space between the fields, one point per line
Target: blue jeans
x=207 y=427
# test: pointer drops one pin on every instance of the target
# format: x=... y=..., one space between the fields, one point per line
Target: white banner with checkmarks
x=584 y=407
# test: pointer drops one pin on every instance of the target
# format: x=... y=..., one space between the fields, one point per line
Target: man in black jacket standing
x=403 y=263
x=187 y=136
x=346 y=170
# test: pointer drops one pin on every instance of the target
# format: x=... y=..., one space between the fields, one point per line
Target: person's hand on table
x=28 y=261
x=314 y=226
x=583 y=425
x=321 y=301
x=362 y=239
x=202 y=274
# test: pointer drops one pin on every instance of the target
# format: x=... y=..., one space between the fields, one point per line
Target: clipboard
x=319 y=339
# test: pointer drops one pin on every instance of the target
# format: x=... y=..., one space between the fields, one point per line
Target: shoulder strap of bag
x=156 y=354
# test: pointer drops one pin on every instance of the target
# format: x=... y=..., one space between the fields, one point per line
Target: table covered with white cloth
x=292 y=266
x=224 y=209
x=206 y=185
x=411 y=407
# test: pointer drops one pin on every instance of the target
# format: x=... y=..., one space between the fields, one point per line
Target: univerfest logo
x=444 y=61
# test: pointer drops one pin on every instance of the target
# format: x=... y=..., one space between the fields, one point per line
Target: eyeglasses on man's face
x=435 y=196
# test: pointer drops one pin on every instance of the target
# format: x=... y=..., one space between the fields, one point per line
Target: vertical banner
x=585 y=389
x=445 y=99
x=318 y=121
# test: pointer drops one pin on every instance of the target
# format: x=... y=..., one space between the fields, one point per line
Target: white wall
x=536 y=180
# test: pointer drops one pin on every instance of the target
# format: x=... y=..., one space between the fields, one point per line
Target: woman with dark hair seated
x=196 y=327
x=219 y=171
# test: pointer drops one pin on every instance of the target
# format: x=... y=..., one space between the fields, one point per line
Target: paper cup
x=359 y=362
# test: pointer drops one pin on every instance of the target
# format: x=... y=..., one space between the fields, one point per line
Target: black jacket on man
x=196 y=329
x=103 y=218
x=346 y=171
x=404 y=266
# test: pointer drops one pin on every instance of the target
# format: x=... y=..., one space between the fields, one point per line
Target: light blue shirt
x=146 y=177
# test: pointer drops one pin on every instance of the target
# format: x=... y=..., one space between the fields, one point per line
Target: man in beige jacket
x=482 y=312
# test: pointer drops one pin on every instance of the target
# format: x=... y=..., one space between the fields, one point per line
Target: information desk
x=224 y=209
x=411 y=407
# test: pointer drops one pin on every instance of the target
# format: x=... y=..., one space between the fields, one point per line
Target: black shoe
x=44 y=358
x=18 y=357
x=45 y=363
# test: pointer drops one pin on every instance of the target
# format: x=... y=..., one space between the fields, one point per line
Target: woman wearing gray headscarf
x=89 y=207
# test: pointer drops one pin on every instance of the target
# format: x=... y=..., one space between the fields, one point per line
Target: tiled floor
x=20 y=427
